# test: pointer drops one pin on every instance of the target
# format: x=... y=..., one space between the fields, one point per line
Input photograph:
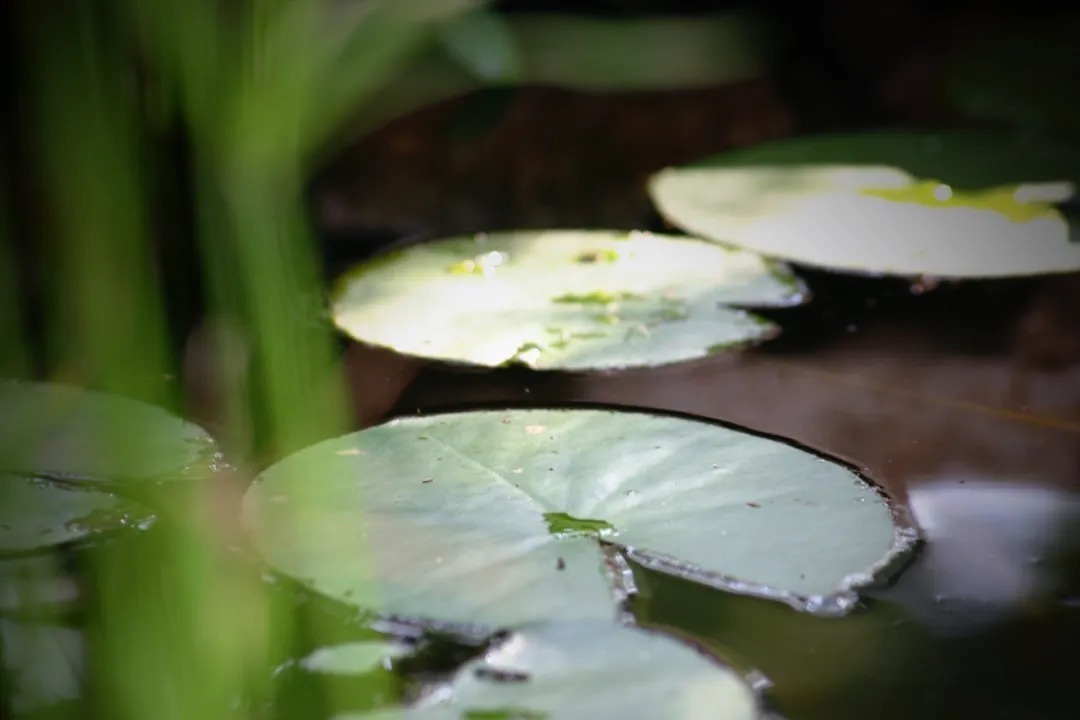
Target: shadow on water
x=962 y=401
x=878 y=662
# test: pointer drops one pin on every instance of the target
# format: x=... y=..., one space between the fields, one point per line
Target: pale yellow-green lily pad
x=874 y=219
x=563 y=300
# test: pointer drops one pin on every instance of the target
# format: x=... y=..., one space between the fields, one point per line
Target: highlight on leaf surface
x=954 y=205
x=498 y=518
x=562 y=299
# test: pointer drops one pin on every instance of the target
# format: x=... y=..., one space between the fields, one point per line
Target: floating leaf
x=562 y=299
x=353 y=676
x=875 y=219
x=481 y=518
x=79 y=435
x=355 y=658
x=586 y=670
x=802 y=199
x=38 y=514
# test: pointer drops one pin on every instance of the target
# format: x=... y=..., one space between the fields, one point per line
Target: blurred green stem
x=654 y=54
x=261 y=272
x=105 y=320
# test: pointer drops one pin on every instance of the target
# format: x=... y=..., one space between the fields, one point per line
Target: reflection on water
x=44 y=662
x=994 y=549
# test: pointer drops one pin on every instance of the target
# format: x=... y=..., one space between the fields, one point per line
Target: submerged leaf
x=353 y=676
x=507 y=532
x=587 y=670
x=562 y=299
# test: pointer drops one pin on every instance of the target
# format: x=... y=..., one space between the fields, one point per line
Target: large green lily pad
x=582 y=671
x=493 y=518
x=79 y=435
x=946 y=204
x=570 y=300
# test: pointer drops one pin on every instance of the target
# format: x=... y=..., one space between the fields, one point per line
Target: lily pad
x=875 y=219
x=79 y=435
x=355 y=658
x=586 y=670
x=38 y=514
x=816 y=200
x=354 y=676
x=571 y=300
x=495 y=518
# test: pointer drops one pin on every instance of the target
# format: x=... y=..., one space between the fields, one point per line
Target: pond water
x=964 y=402
x=961 y=400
